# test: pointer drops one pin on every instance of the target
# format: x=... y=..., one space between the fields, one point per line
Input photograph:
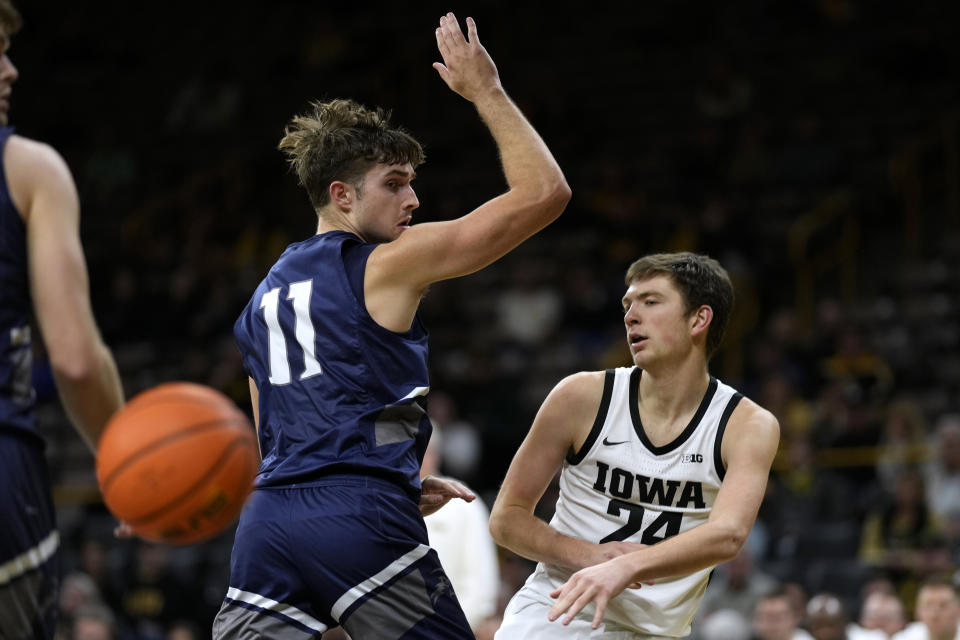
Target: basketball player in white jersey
x=663 y=470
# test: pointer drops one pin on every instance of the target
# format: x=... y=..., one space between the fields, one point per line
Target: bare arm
x=83 y=367
x=398 y=272
x=561 y=425
x=255 y=403
x=748 y=448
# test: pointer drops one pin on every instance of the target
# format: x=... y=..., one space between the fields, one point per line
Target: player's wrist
x=490 y=97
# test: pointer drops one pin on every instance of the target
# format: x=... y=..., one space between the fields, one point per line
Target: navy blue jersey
x=339 y=394
x=17 y=396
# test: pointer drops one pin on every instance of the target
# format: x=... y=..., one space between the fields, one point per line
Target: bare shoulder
x=568 y=413
x=752 y=430
x=578 y=388
x=31 y=166
x=33 y=154
x=574 y=400
x=753 y=417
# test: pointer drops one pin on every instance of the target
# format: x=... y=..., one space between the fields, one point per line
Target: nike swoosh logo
x=610 y=444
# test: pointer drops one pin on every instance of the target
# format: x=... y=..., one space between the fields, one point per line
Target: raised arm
x=748 y=448
x=83 y=367
x=561 y=425
x=537 y=191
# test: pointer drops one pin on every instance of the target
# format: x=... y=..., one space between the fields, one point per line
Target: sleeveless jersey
x=339 y=394
x=619 y=486
x=17 y=396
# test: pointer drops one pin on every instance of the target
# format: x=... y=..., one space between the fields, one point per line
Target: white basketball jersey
x=619 y=486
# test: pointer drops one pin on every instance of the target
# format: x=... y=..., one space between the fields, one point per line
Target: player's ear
x=341 y=194
x=700 y=320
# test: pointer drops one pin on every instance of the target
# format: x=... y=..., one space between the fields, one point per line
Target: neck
x=672 y=392
x=335 y=220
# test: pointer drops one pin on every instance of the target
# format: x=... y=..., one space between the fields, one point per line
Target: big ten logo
x=691 y=457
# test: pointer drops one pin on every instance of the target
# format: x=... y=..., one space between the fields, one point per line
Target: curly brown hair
x=342 y=140
x=701 y=281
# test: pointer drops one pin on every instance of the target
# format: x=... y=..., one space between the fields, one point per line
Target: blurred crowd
x=812 y=147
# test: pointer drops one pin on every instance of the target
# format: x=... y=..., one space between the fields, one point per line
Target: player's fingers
x=446 y=33
x=455 y=31
x=473 y=38
x=442 y=44
x=430 y=499
x=565 y=597
x=578 y=606
x=460 y=491
x=598 y=616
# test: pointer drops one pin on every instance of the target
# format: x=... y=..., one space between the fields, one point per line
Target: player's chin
x=641 y=359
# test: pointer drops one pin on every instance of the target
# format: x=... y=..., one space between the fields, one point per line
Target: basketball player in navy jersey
x=333 y=534
x=663 y=468
x=41 y=266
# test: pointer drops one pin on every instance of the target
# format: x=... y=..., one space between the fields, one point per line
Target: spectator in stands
x=937 y=612
x=900 y=535
x=943 y=475
x=725 y=624
x=883 y=612
x=736 y=585
x=93 y=622
x=827 y=619
x=78 y=590
x=903 y=442
x=774 y=618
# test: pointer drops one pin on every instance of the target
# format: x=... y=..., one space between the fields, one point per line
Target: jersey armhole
x=721 y=427
x=355 y=264
x=577 y=457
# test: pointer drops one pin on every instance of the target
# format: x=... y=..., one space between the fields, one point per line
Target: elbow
x=73 y=370
x=558 y=195
x=74 y=366
x=562 y=192
x=731 y=542
x=551 y=197
x=498 y=527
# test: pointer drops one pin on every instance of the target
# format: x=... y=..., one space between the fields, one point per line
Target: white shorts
x=526 y=618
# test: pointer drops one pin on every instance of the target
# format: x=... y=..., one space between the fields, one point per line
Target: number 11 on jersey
x=300 y=293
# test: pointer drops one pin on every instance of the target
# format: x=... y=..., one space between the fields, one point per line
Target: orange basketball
x=177 y=462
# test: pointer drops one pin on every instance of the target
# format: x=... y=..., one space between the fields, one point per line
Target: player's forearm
x=528 y=165
x=91 y=393
x=530 y=537
x=699 y=548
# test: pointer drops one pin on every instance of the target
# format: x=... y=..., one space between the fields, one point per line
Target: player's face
x=386 y=202
x=657 y=327
x=8 y=75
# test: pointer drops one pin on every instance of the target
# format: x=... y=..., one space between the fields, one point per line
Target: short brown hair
x=342 y=140
x=10 y=20
x=701 y=281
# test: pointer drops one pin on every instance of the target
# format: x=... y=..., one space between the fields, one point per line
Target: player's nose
x=412 y=201
x=8 y=71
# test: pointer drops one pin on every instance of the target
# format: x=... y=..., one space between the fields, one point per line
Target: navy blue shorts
x=29 y=542
x=346 y=550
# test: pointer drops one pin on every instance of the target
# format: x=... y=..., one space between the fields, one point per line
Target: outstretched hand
x=598 y=584
x=467 y=67
x=436 y=492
